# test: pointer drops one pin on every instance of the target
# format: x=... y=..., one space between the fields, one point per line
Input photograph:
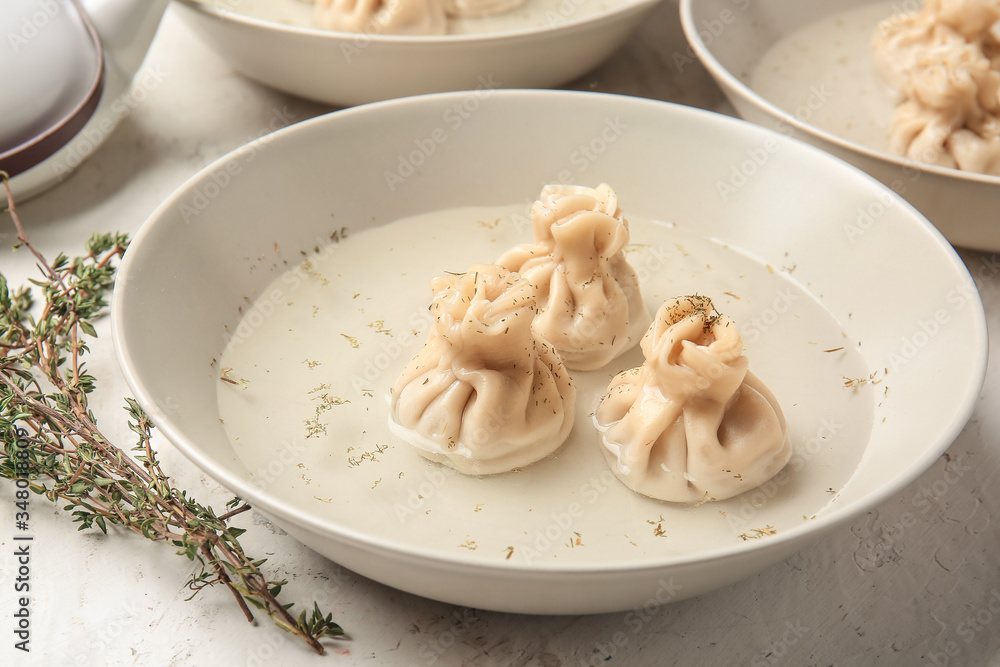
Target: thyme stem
x=44 y=392
x=238 y=510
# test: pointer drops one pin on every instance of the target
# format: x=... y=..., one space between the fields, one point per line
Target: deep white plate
x=544 y=44
x=562 y=536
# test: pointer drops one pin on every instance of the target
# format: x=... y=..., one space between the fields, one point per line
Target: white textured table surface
x=914 y=582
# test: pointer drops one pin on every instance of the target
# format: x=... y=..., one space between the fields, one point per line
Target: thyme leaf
x=44 y=411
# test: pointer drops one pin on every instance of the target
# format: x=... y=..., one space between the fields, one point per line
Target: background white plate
x=549 y=46
x=730 y=37
x=897 y=289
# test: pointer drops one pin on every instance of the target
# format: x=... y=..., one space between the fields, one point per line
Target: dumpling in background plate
x=485 y=395
x=470 y=9
x=692 y=423
x=590 y=307
x=387 y=17
x=944 y=62
x=951 y=115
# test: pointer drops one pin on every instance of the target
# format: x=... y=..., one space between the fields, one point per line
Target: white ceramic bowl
x=731 y=37
x=556 y=43
x=896 y=298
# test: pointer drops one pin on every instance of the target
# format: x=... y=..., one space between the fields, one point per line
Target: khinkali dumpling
x=590 y=307
x=944 y=61
x=950 y=117
x=470 y=9
x=940 y=25
x=389 y=17
x=977 y=152
x=973 y=20
x=692 y=422
x=484 y=395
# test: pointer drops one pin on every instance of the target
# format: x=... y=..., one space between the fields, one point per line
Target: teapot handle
x=30 y=153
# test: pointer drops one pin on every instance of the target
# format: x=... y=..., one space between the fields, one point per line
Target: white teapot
x=65 y=66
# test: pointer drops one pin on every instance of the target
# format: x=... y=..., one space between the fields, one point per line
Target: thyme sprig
x=44 y=390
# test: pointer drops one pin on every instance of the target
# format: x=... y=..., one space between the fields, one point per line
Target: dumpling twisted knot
x=693 y=350
x=692 y=422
